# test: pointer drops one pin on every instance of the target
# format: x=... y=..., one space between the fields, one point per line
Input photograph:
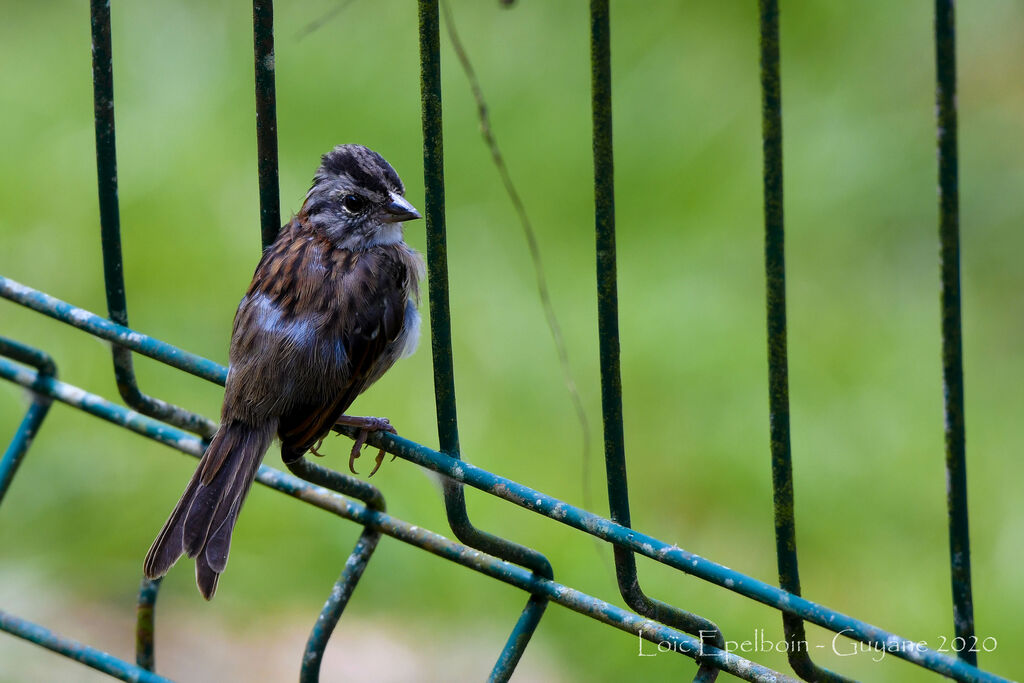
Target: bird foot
x=365 y=426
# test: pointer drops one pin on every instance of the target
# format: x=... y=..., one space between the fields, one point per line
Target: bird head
x=357 y=199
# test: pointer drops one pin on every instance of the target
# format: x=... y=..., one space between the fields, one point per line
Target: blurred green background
x=863 y=312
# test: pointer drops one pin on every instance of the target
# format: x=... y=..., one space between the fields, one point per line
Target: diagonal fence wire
x=668 y=554
x=369 y=517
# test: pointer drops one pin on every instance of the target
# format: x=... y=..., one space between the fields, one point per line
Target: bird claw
x=366 y=425
x=314 y=447
x=357 y=448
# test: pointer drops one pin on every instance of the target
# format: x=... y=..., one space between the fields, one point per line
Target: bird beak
x=398 y=209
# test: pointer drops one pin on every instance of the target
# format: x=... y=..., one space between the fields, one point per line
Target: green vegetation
x=862 y=251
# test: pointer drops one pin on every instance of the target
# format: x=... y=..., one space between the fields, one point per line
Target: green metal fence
x=491 y=555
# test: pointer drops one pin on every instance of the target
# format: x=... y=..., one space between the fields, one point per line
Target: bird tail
x=202 y=521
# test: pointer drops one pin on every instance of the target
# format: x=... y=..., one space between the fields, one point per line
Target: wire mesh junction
x=479 y=550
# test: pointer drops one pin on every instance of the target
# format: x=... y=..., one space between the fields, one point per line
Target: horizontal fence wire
x=499 y=558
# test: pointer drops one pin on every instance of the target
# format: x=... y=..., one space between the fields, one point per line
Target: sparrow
x=331 y=307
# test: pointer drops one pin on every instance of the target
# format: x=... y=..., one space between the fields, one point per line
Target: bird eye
x=353 y=203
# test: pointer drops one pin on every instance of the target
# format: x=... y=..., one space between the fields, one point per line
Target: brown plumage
x=331 y=307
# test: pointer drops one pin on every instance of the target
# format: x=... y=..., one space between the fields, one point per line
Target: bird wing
x=370 y=312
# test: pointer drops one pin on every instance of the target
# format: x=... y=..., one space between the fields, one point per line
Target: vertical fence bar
x=336 y=602
x=952 y=341
x=106 y=160
x=441 y=341
x=145 y=624
x=35 y=414
x=110 y=229
x=437 y=245
x=355 y=566
x=607 y=277
x=21 y=442
x=608 y=332
x=518 y=639
x=270 y=224
x=778 y=364
x=266 y=119
x=440 y=314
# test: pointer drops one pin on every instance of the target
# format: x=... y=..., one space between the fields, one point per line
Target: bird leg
x=365 y=425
